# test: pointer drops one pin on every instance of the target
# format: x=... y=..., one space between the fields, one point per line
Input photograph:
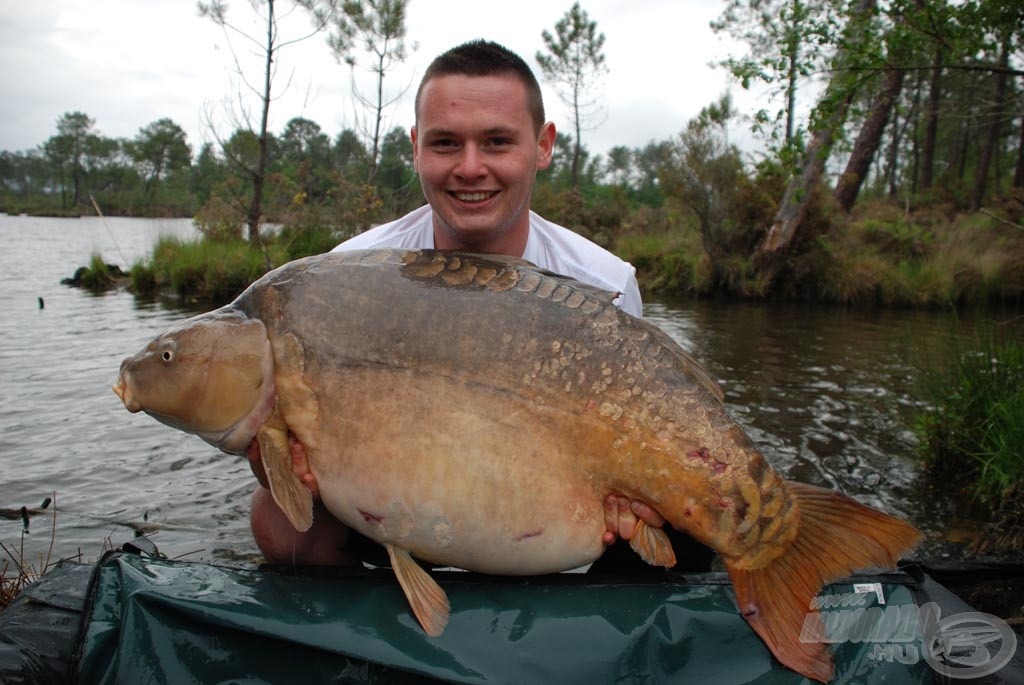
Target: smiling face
x=477 y=152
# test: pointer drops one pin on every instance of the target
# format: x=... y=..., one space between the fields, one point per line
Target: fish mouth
x=124 y=393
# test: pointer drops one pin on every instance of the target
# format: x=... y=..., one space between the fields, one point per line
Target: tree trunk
x=377 y=119
x=259 y=173
x=892 y=160
x=931 y=133
x=991 y=143
x=1018 y=175
x=799 y=190
x=577 y=145
x=868 y=140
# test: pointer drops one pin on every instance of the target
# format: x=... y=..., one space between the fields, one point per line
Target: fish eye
x=167 y=355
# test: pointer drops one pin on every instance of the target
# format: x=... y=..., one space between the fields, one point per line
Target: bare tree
x=269 y=46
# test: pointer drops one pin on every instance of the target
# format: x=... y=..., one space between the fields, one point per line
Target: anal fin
x=428 y=601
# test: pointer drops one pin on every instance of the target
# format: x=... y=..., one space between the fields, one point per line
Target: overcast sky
x=127 y=63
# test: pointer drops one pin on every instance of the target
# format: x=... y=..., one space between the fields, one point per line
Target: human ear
x=545 y=145
x=415 y=150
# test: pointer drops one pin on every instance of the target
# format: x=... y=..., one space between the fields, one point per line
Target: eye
x=167 y=355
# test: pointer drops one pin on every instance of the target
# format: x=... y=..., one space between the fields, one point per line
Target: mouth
x=474 y=197
x=124 y=393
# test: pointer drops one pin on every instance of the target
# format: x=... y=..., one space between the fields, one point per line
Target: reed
x=16 y=570
x=972 y=431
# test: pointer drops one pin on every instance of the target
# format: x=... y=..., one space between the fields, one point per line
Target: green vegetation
x=97 y=276
x=903 y=186
x=204 y=271
x=972 y=434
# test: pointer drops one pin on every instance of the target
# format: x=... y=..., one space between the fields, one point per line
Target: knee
x=322 y=545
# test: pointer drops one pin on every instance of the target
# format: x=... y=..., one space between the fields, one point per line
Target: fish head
x=211 y=375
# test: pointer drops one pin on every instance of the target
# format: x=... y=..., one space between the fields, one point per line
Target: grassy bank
x=972 y=433
x=882 y=254
x=202 y=271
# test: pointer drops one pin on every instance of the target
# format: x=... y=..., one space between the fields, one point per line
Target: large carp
x=474 y=411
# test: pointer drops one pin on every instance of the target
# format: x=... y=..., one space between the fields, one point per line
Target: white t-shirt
x=549 y=246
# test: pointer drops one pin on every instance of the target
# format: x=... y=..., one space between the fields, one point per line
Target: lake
x=825 y=392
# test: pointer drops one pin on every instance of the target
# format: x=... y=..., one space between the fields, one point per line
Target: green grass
x=97 y=276
x=972 y=433
x=203 y=271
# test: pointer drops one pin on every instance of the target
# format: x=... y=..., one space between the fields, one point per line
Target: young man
x=479 y=140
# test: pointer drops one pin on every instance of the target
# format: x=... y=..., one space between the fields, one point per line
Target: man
x=479 y=139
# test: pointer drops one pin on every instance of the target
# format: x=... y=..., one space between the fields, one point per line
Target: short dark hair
x=486 y=58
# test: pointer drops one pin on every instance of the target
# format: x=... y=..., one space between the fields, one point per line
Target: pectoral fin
x=291 y=495
x=428 y=601
x=653 y=545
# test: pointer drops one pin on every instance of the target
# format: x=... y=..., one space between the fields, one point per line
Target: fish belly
x=458 y=474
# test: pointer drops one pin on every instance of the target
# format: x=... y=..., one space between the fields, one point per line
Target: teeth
x=472 y=197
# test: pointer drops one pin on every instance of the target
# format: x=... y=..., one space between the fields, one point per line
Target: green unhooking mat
x=158 y=621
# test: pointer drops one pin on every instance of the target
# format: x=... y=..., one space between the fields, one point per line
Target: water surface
x=826 y=392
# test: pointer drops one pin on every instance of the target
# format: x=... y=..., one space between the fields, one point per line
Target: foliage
x=787 y=40
x=574 y=63
x=204 y=272
x=703 y=175
x=97 y=276
x=924 y=258
x=219 y=221
x=972 y=431
x=909 y=238
x=669 y=263
x=375 y=28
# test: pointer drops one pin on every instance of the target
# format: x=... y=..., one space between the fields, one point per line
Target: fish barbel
x=475 y=411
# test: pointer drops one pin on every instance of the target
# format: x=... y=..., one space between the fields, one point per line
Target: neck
x=511 y=242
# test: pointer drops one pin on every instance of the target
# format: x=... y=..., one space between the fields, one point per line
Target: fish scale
x=475 y=411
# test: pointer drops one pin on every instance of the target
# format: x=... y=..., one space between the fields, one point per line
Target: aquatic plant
x=16 y=570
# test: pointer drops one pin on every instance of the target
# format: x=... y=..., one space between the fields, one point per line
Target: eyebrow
x=493 y=131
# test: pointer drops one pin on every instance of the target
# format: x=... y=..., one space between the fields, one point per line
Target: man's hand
x=620 y=518
x=300 y=467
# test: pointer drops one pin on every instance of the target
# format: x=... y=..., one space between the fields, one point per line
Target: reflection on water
x=825 y=392
x=62 y=429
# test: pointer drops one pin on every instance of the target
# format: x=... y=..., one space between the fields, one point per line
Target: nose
x=471 y=164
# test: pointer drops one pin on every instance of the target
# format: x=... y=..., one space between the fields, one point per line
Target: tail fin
x=836 y=537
